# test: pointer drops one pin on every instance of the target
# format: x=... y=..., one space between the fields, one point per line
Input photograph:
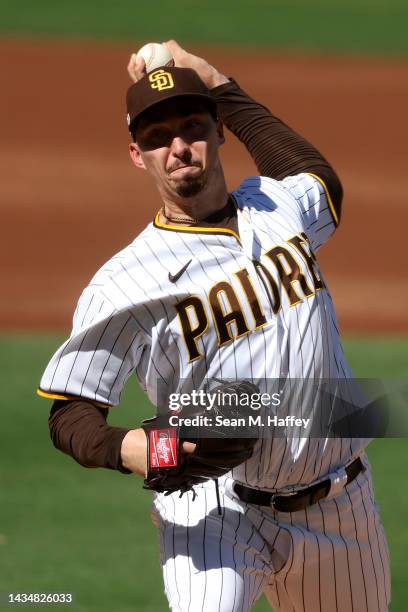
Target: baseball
x=155 y=55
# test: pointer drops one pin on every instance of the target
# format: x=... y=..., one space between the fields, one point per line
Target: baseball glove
x=219 y=446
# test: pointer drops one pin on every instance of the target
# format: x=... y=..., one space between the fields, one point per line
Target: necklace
x=178 y=219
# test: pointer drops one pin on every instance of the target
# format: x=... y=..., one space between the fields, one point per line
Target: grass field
x=359 y=26
x=64 y=528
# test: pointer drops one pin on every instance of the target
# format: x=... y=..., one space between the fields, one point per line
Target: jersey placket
x=247 y=236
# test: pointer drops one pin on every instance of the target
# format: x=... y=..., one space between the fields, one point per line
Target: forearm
x=134 y=452
x=80 y=429
x=276 y=149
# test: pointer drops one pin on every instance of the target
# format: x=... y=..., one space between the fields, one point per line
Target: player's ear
x=136 y=156
x=220 y=131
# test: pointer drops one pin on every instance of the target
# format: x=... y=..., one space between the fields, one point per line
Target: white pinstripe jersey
x=252 y=306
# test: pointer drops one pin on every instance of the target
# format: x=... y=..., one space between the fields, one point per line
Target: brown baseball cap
x=162 y=84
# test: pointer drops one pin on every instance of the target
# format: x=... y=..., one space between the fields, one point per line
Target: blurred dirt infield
x=70 y=197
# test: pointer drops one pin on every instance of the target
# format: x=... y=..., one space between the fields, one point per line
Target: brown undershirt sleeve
x=276 y=149
x=80 y=429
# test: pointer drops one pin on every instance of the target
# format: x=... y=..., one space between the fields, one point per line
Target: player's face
x=177 y=144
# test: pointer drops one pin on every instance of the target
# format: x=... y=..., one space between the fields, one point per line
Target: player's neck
x=211 y=199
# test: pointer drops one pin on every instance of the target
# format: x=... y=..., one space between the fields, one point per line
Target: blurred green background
x=64 y=528
x=349 y=26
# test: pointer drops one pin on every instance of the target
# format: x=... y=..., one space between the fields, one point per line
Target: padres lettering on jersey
x=291 y=272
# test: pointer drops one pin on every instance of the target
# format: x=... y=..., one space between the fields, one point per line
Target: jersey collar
x=196 y=229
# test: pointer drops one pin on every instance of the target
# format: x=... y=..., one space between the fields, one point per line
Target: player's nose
x=179 y=147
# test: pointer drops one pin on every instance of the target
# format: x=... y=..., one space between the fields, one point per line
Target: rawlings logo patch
x=163 y=448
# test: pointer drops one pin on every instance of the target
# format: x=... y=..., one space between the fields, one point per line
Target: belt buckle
x=338 y=481
x=274 y=495
x=272 y=503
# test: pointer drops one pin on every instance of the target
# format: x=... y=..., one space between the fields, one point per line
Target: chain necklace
x=192 y=220
x=178 y=219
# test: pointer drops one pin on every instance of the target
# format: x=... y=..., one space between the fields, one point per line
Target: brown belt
x=295 y=501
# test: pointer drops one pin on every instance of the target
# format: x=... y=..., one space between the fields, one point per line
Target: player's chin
x=189 y=186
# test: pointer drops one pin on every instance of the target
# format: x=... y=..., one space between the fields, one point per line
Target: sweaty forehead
x=177 y=107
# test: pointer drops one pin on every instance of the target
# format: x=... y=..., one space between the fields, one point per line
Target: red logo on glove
x=163 y=448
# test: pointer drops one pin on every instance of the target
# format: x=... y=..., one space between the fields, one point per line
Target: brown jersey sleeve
x=80 y=429
x=276 y=149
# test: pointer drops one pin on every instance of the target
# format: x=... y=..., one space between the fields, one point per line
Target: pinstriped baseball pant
x=333 y=556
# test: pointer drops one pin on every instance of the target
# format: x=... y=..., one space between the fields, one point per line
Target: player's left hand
x=134 y=451
x=170 y=468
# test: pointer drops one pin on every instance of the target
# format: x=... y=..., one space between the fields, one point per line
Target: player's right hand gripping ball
x=218 y=448
x=155 y=55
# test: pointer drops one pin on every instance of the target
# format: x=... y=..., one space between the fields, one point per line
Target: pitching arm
x=277 y=150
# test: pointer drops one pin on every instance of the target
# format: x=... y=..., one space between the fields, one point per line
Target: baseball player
x=226 y=287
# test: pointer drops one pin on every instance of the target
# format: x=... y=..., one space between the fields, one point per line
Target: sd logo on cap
x=160 y=79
